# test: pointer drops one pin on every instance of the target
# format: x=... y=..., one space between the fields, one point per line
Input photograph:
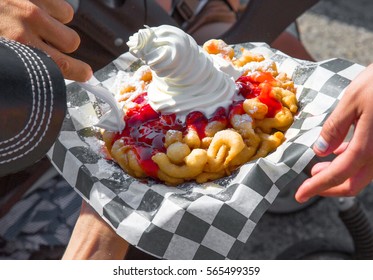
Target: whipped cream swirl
x=185 y=77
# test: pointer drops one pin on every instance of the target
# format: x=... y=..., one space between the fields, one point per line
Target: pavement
x=332 y=28
x=339 y=28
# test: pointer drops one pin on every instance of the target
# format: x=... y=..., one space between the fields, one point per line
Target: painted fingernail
x=321 y=144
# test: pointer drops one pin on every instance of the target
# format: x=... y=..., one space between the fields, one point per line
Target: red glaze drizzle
x=259 y=84
x=146 y=129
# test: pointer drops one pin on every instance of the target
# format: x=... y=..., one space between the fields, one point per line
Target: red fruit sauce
x=146 y=129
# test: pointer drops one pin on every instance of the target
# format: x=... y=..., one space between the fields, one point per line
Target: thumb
x=335 y=129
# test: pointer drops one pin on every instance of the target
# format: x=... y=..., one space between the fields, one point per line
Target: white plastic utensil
x=113 y=120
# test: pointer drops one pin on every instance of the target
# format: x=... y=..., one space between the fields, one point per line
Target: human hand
x=352 y=168
x=41 y=24
x=93 y=238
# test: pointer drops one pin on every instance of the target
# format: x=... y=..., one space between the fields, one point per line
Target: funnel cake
x=179 y=129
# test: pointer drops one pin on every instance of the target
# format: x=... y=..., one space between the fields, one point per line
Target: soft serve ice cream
x=185 y=77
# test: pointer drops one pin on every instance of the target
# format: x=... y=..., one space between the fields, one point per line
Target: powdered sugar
x=105 y=169
x=244 y=118
x=96 y=145
x=264 y=65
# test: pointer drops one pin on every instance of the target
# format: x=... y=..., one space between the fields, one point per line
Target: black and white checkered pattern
x=208 y=221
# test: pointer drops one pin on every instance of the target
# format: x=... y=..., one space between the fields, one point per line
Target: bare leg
x=93 y=238
x=291 y=46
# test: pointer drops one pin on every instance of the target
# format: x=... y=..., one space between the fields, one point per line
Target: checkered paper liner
x=207 y=221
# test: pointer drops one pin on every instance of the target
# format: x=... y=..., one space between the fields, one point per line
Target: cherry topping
x=247 y=90
x=220 y=115
x=236 y=109
x=261 y=77
x=265 y=97
x=259 y=84
x=197 y=121
x=146 y=129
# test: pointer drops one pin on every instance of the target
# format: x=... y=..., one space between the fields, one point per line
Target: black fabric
x=17 y=106
x=32 y=105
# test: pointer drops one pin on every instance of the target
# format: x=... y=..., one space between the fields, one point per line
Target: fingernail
x=321 y=144
x=302 y=199
x=63 y=65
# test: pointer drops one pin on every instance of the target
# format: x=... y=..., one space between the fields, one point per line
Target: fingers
x=352 y=106
x=57 y=39
x=335 y=129
x=352 y=186
x=318 y=167
x=347 y=174
x=66 y=41
x=351 y=170
x=40 y=24
x=71 y=68
x=333 y=174
x=341 y=148
x=58 y=9
x=347 y=164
